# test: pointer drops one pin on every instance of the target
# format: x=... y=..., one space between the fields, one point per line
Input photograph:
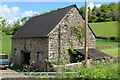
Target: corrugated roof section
x=41 y=26
x=93 y=53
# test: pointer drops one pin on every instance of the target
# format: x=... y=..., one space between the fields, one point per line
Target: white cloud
x=98 y=5
x=91 y=5
x=29 y=13
x=4 y=9
x=14 y=19
x=13 y=13
x=15 y=9
x=7 y=12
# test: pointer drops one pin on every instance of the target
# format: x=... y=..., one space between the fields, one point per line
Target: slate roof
x=93 y=53
x=42 y=25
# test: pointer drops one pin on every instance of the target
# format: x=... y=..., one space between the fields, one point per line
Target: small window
x=39 y=56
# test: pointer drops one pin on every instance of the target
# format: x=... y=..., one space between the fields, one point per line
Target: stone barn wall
x=64 y=32
x=34 y=45
x=56 y=46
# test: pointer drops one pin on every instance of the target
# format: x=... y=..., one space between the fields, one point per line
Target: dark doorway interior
x=26 y=58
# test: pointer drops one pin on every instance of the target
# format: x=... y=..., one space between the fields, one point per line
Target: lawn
x=104 y=42
x=0 y=44
x=112 y=52
x=105 y=29
x=107 y=46
x=6 y=44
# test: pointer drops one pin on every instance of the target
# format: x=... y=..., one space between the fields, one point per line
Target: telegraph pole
x=86 y=33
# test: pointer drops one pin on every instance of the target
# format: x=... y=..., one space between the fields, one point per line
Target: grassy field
x=6 y=44
x=107 y=46
x=105 y=29
x=112 y=52
x=0 y=44
x=101 y=42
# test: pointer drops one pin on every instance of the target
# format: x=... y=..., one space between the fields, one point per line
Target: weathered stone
x=56 y=45
x=67 y=36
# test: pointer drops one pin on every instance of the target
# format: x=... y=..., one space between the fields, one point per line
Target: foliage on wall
x=79 y=31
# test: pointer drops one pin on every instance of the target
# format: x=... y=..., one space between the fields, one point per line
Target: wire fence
x=38 y=72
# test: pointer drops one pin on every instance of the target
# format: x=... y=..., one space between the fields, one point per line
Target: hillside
x=6 y=44
x=105 y=29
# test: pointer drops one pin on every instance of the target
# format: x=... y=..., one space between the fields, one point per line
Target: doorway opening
x=25 y=57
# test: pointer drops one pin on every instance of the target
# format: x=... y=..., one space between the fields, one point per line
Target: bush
x=57 y=62
x=67 y=69
x=17 y=67
x=97 y=70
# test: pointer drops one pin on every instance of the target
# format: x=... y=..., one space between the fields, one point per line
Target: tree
x=90 y=16
x=16 y=25
x=113 y=6
x=95 y=11
x=25 y=19
x=114 y=11
x=82 y=11
x=3 y=23
x=104 y=13
x=7 y=30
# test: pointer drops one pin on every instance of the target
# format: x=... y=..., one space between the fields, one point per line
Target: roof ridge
x=74 y=5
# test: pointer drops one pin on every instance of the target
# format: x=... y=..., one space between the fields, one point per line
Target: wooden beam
x=86 y=33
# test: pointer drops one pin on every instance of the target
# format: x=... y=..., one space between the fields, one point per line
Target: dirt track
x=11 y=74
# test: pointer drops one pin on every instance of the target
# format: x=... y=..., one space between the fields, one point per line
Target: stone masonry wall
x=34 y=45
x=56 y=46
x=64 y=32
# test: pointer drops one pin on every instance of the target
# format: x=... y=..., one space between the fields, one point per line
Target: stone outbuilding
x=49 y=37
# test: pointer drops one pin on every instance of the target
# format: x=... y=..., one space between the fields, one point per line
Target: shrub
x=57 y=62
x=16 y=67
x=71 y=50
x=97 y=70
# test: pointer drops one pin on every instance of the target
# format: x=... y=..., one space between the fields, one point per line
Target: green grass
x=0 y=44
x=97 y=69
x=102 y=42
x=105 y=29
x=107 y=46
x=112 y=52
x=6 y=44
